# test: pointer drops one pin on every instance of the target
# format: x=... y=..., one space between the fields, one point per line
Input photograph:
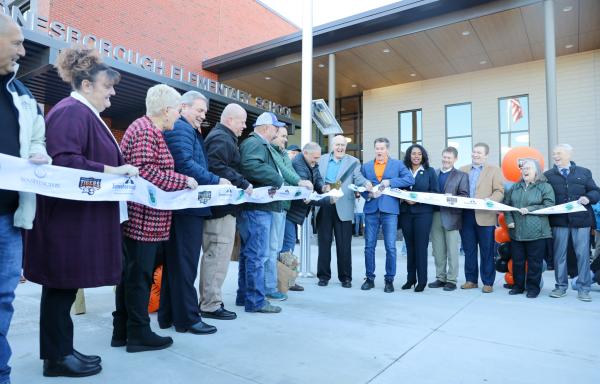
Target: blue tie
x=565 y=172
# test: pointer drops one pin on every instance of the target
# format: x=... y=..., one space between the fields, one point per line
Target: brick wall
x=181 y=32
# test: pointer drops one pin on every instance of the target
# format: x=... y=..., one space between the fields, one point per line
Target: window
x=513 y=118
x=459 y=131
x=411 y=132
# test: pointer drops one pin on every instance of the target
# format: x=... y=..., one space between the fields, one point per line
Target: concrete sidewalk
x=336 y=335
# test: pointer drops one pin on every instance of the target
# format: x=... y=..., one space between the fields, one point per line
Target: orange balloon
x=508 y=277
x=154 y=301
x=502 y=220
x=510 y=162
x=501 y=235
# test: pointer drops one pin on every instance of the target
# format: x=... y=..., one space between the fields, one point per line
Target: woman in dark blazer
x=76 y=244
x=416 y=218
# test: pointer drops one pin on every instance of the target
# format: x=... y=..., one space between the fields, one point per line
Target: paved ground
x=337 y=335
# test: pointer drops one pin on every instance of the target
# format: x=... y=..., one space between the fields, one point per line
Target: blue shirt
x=332 y=169
x=442 y=178
x=474 y=178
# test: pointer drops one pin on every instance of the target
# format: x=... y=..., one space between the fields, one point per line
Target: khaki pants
x=445 y=250
x=217 y=244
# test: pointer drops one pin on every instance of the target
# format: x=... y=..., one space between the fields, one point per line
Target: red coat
x=143 y=146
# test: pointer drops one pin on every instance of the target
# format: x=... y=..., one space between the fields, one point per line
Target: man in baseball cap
x=268 y=118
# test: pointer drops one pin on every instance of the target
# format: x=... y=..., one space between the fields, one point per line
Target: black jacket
x=425 y=181
x=578 y=183
x=224 y=161
x=298 y=209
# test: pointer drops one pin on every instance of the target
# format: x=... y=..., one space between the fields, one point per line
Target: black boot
x=142 y=340
x=69 y=366
x=368 y=284
x=90 y=359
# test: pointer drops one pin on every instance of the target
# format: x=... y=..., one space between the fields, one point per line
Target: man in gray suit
x=447 y=222
x=339 y=170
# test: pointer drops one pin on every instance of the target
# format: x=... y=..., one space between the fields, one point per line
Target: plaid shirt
x=143 y=146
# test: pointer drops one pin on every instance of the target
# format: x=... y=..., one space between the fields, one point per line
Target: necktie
x=565 y=172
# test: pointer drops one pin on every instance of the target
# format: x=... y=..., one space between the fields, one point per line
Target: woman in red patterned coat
x=143 y=145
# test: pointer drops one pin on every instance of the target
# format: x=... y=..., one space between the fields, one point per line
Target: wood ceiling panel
x=418 y=49
x=399 y=76
x=433 y=70
x=374 y=55
x=589 y=17
x=566 y=23
x=453 y=44
x=355 y=68
x=471 y=63
x=516 y=54
x=501 y=31
x=561 y=47
x=589 y=41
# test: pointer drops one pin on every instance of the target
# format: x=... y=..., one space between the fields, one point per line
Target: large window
x=513 y=118
x=411 y=132
x=459 y=133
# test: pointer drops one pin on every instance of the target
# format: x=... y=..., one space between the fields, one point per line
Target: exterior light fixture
x=321 y=65
x=466 y=33
x=483 y=62
x=567 y=8
x=386 y=50
x=569 y=46
x=267 y=78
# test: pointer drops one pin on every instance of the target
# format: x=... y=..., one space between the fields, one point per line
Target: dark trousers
x=328 y=225
x=56 y=325
x=130 y=319
x=533 y=253
x=178 y=296
x=416 y=228
x=473 y=235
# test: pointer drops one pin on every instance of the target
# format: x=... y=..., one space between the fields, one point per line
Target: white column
x=550 y=56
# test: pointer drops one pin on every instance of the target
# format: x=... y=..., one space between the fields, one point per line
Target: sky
x=324 y=11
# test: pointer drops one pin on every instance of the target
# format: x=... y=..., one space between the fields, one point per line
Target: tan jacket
x=490 y=185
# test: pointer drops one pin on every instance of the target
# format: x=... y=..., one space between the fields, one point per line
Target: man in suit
x=339 y=170
x=485 y=182
x=447 y=222
x=382 y=211
x=572 y=182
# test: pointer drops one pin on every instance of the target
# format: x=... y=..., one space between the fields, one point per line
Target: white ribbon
x=467 y=202
x=18 y=174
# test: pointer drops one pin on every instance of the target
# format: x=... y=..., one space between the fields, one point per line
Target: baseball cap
x=293 y=147
x=268 y=118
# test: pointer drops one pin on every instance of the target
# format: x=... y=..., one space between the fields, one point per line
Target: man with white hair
x=572 y=182
x=260 y=168
x=178 y=297
x=219 y=230
x=22 y=135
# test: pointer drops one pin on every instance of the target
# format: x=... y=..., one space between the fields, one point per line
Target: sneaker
x=468 y=285
x=487 y=289
x=437 y=284
x=368 y=284
x=556 y=293
x=449 y=287
x=268 y=308
x=584 y=296
x=277 y=296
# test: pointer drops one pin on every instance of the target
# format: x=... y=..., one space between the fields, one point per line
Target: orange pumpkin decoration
x=501 y=235
x=510 y=162
x=502 y=220
x=154 y=301
x=508 y=277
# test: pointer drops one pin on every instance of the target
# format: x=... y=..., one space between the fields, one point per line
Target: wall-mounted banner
x=18 y=174
x=469 y=203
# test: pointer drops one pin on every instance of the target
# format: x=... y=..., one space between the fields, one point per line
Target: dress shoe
x=296 y=288
x=322 y=283
x=532 y=295
x=449 y=287
x=90 y=359
x=515 y=291
x=469 y=285
x=437 y=284
x=346 y=284
x=200 y=328
x=487 y=289
x=409 y=284
x=219 y=314
x=148 y=341
x=389 y=287
x=507 y=286
x=420 y=287
x=368 y=284
x=165 y=325
x=70 y=366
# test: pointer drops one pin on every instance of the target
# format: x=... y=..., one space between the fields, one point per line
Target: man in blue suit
x=382 y=210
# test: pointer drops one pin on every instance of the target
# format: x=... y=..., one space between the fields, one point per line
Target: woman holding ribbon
x=416 y=218
x=76 y=244
x=528 y=233
x=144 y=146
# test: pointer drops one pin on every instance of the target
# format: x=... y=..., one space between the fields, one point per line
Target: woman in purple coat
x=76 y=244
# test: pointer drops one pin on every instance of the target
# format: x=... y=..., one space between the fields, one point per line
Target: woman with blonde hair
x=144 y=146
x=76 y=244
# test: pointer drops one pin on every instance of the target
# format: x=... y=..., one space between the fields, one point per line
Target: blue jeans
x=471 y=236
x=289 y=237
x=389 y=224
x=11 y=259
x=359 y=221
x=581 y=245
x=274 y=245
x=254 y=227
